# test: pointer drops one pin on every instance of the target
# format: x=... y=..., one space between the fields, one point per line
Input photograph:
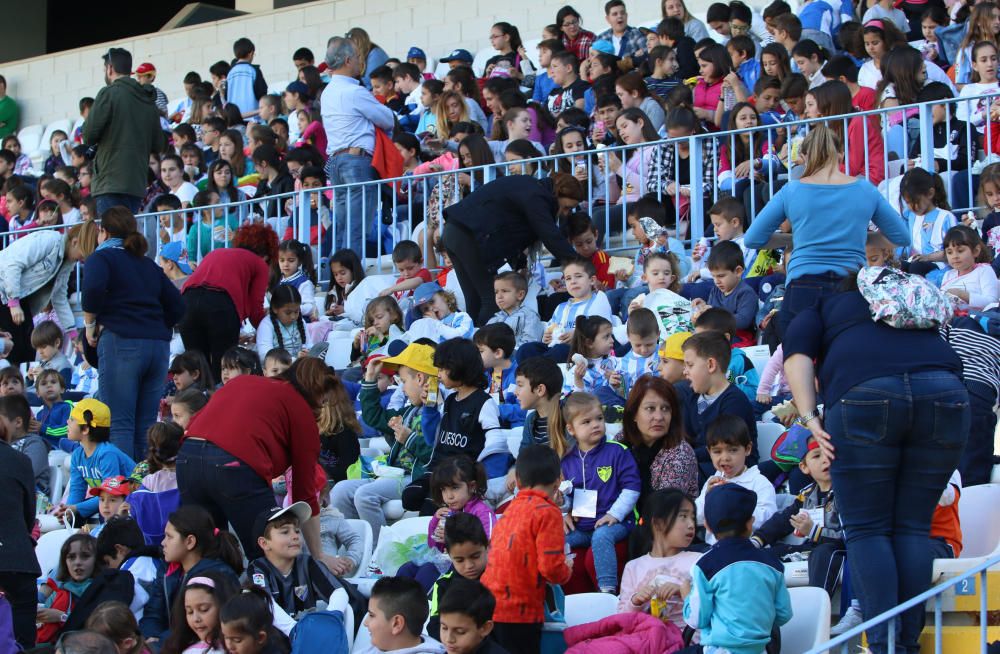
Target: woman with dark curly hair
x=226 y=288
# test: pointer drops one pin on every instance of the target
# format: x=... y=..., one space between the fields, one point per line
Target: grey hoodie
x=428 y=646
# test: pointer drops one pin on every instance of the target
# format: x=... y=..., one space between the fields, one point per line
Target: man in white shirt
x=350 y=116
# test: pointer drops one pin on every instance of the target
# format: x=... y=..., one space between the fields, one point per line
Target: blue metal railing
x=843 y=641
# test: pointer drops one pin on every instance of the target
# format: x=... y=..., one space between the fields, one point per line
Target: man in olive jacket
x=124 y=125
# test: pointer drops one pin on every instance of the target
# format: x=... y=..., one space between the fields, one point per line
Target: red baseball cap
x=114 y=485
x=145 y=69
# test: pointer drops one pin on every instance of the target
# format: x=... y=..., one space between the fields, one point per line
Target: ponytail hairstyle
x=808 y=48
x=918 y=182
x=302 y=252
x=821 y=146
x=455 y=470
x=964 y=235
x=118 y=222
x=249 y=613
x=164 y=442
x=887 y=31
x=217 y=584
x=585 y=333
x=577 y=403
x=682 y=117
x=538 y=371
x=210 y=543
x=243 y=359
x=58 y=187
x=282 y=295
x=22 y=193
x=116 y=621
x=193 y=398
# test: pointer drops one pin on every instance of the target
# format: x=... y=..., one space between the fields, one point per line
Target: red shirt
x=268 y=425
x=864 y=99
x=423 y=274
x=528 y=551
x=241 y=274
x=601 y=261
x=945 y=524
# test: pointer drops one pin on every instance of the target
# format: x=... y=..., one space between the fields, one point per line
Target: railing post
x=301 y=205
x=926 y=118
x=697 y=197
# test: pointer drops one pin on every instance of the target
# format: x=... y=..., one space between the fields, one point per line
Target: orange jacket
x=527 y=550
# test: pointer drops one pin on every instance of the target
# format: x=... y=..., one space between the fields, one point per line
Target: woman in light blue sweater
x=829 y=213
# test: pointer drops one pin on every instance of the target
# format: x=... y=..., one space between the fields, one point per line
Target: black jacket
x=17 y=512
x=507 y=216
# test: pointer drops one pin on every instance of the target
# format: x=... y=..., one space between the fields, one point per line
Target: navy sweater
x=732 y=401
x=130 y=295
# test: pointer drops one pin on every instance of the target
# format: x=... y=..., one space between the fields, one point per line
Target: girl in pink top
x=653 y=581
x=971 y=278
x=458 y=486
x=713 y=66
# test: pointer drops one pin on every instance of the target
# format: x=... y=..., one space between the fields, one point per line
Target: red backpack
x=62 y=601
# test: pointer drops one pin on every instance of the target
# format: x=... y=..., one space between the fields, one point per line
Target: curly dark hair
x=259 y=239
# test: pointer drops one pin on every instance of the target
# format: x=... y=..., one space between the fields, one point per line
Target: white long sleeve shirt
x=350 y=115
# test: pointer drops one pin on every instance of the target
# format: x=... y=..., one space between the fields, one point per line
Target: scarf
x=111 y=243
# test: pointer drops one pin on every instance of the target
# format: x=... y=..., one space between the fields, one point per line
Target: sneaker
x=851 y=619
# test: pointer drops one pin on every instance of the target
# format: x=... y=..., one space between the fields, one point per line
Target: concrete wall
x=49 y=87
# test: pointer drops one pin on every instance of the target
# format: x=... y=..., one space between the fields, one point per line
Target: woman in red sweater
x=251 y=431
x=864 y=146
x=226 y=288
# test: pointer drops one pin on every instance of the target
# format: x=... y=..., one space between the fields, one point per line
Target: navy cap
x=458 y=55
x=416 y=53
x=425 y=293
x=297 y=87
x=728 y=506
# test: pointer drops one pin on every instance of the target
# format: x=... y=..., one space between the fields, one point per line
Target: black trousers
x=210 y=325
x=21 y=592
x=475 y=278
x=523 y=638
x=21 y=334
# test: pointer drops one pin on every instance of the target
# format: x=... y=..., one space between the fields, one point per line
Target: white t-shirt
x=71 y=217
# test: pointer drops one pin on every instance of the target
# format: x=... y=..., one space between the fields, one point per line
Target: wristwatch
x=804 y=420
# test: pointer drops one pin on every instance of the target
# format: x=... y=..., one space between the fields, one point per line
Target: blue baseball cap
x=458 y=55
x=297 y=87
x=175 y=252
x=605 y=47
x=728 y=506
x=416 y=53
x=425 y=293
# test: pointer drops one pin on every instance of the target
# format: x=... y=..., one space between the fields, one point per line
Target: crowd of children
x=505 y=433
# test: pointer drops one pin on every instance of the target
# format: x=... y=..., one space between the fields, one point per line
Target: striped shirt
x=566 y=313
x=632 y=366
x=979 y=352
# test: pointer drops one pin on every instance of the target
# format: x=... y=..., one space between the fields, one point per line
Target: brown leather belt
x=357 y=152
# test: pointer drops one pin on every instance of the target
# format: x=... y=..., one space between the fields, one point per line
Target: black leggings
x=210 y=325
x=474 y=277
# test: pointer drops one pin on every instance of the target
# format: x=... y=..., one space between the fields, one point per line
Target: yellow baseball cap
x=100 y=414
x=416 y=356
x=673 y=347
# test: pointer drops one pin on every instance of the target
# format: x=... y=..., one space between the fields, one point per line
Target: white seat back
x=583 y=608
x=368 y=545
x=759 y=355
x=979 y=512
x=810 y=623
x=30 y=137
x=363 y=639
x=767 y=435
x=48 y=547
x=411 y=526
x=43 y=143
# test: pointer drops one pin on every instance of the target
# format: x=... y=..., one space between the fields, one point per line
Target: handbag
x=902 y=300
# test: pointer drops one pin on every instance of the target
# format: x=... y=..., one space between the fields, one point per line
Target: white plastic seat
x=531 y=46
x=64 y=125
x=480 y=58
x=759 y=355
x=584 y=608
x=514 y=441
x=57 y=474
x=30 y=137
x=277 y=88
x=979 y=513
x=767 y=436
x=367 y=546
x=810 y=623
x=48 y=547
x=363 y=640
x=412 y=526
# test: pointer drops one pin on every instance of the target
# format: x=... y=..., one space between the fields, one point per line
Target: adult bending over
x=227 y=287
x=895 y=425
x=496 y=223
x=129 y=309
x=34 y=272
x=829 y=214
x=251 y=431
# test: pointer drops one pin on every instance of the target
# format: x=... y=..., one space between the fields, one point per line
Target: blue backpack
x=319 y=631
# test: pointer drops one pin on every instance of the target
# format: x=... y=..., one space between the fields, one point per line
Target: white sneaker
x=851 y=619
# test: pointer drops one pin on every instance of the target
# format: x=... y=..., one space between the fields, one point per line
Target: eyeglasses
x=570 y=23
x=738 y=28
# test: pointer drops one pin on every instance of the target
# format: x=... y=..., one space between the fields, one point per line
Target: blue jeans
x=107 y=200
x=134 y=374
x=354 y=209
x=602 y=541
x=898 y=439
x=804 y=293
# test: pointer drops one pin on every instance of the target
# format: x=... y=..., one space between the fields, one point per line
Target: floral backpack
x=902 y=300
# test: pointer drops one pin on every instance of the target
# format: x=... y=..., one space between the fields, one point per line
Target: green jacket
x=9 y=116
x=414 y=455
x=124 y=124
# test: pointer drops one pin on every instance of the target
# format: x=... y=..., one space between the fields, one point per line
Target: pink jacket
x=637 y=633
x=476 y=507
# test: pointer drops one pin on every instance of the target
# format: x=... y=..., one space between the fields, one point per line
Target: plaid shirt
x=708 y=165
x=632 y=41
x=580 y=46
